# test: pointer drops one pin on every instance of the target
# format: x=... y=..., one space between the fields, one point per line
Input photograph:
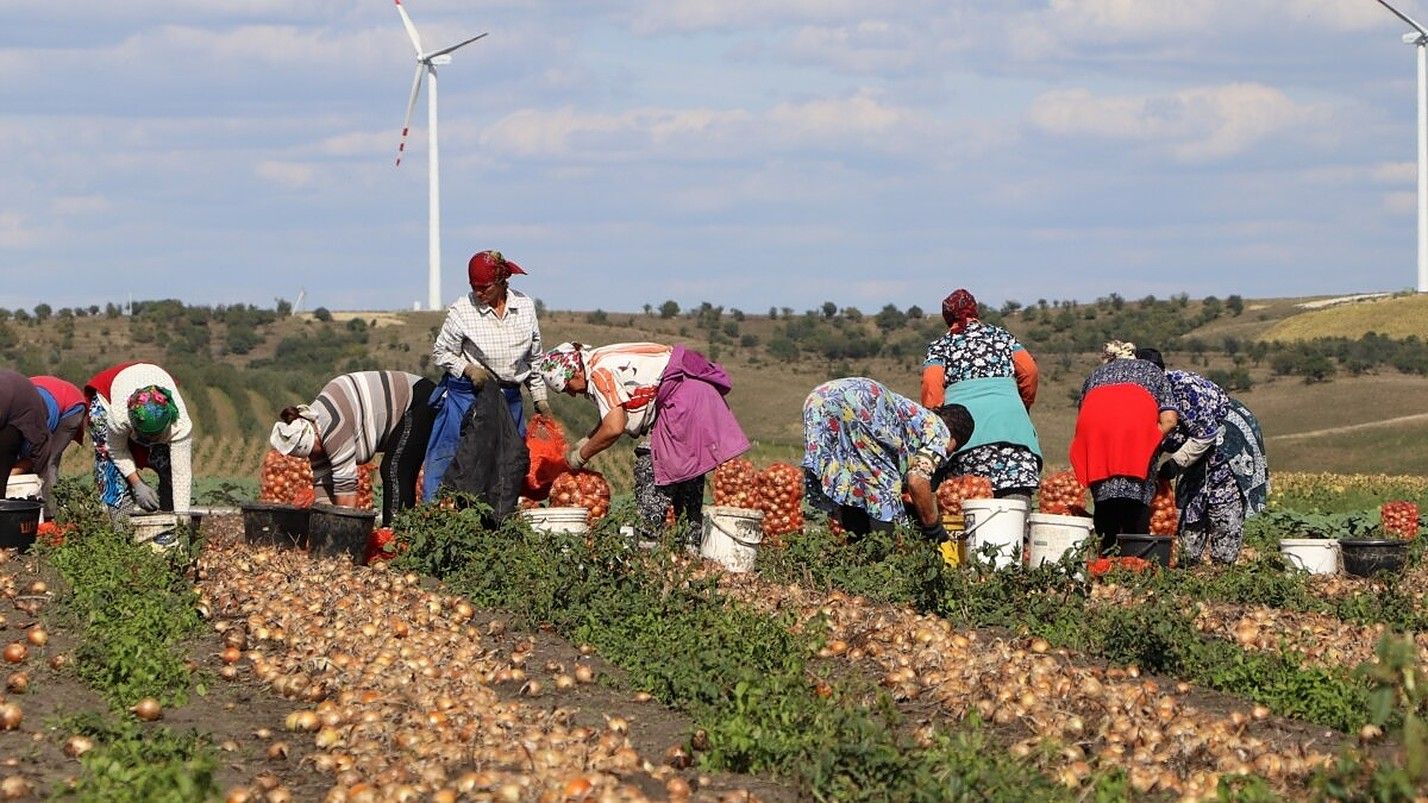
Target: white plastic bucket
x=155 y=529
x=732 y=536
x=1313 y=555
x=23 y=486
x=998 y=522
x=1053 y=535
x=558 y=519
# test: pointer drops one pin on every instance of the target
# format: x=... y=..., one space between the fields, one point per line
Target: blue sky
x=750 y=153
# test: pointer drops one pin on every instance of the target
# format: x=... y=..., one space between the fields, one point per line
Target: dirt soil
x=244 y=719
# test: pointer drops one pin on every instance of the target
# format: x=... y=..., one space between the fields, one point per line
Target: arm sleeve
x=535 y=383
x=446 y=352
x=1028 y=377
x=181 y=473
x=1192 y=450
x=119 y=444
x=934 y=386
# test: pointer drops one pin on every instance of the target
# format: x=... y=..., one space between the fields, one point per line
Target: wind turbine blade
x=411 y=29
x=411 y=104
x=445 y=50
x=1403 y=17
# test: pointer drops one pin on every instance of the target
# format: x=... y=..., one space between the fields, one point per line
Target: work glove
x=573 y=458
x=477 y=373
x=935 y=532
x=1168 y=471
x=145 y=497
x=542 y=407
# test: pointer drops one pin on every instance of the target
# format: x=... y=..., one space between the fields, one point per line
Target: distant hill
x=239 y=365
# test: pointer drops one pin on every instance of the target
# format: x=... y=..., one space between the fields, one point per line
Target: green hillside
x=239 y=365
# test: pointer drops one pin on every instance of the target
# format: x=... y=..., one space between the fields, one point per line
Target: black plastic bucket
x=1369 y=556
x=19 y=522
x=1154 y=548
x=274 y=524
x=335 y=531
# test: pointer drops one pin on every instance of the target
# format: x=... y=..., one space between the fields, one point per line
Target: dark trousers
x=11 y=441
x=857 y=521
x=405 y=451
x=1114 y=517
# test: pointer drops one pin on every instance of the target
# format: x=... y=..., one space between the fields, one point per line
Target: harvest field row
x=506 y=664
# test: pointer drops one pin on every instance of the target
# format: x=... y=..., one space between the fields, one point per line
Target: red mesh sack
x=1164 y=518
x=285 y=480
x=955 y=490
x=547 y=446
x=1062 y=494
x=1400 y=519
x=780 y=497
x=736 y=484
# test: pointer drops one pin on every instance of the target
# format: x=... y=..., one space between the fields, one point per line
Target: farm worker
x=983 y=368
x=489 y=341
x=137 y=419
x=865 y=444
x=23 y=434
x=1217 y=451
x=671 y=401
x=1126 y=407
x=65 y=414
x=354 y=417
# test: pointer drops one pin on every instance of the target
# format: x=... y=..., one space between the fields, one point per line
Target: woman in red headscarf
x=983 y=368
x=489 y=342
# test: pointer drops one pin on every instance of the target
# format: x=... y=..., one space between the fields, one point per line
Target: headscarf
x=151 y=410
x=958 y=309
x=1152 y=356
x=1118 y=350
x=490 y=267
x=298 y=436
x=561 y=363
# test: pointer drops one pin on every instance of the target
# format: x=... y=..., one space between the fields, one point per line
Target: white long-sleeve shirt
x=506 y=345
x=179 y=435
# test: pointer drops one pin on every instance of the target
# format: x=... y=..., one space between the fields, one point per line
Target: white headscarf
x=1117 y=350
x=295 y=438
x=559 y=364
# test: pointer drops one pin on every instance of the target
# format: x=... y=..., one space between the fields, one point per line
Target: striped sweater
x=356 y=413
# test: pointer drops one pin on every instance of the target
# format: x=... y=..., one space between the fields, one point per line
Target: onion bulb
x=148 y=709
x=15 y=652
x=38 y=636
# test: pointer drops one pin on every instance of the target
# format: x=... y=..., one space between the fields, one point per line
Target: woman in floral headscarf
x=137 y=419
x=983 y=368
x=1126 y=408
x=671 y=401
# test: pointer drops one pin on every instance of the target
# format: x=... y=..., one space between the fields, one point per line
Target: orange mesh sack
x=285 y=480
x=955 y=490
x=1164 y=518
x=547 y=447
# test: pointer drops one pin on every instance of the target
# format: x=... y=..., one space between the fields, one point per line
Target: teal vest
x=997 y=412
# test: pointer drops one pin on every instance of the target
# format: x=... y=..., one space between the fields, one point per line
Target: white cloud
x=287 y=175
x=14 y=233
x=1401 y=203
x=687 y=16
x=1193 y=125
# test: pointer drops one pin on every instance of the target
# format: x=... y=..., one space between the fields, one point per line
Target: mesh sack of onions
x=1062 y=494
x=1164 y=519
x=365 y=473
x=285 y=480
x=1400 y=519
x=587 y=489
x=780 y=497
x=736 y=484
x=955 y=490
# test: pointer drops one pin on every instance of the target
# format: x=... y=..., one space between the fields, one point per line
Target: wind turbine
x=427 y=62
x=1419 y=38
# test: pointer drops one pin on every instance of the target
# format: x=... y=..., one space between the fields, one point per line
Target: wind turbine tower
x=1418 y=37
x=427 y=62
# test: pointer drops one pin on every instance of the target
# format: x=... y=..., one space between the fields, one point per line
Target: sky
x=749 y=153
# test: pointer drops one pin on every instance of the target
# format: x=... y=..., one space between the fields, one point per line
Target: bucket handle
x=720 y=528
x=968 y=532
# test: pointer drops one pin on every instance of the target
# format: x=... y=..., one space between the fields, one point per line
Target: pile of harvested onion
x=587 y=489
x=1164 y=519
x=955 y=490
x=1061 y=493
x=780 y=497
x=736 y=484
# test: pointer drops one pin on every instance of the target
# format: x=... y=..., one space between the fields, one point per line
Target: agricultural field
x=506 y=664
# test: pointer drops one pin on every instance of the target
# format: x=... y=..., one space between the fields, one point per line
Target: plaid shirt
x=505 y=346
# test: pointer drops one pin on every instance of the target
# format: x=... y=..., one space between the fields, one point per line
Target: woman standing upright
x=983 y=368
x=489 y=341
x=1217 y=452
x=1126 y=408
x=354 y=417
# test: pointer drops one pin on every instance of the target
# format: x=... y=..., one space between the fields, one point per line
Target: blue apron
x=453 y=399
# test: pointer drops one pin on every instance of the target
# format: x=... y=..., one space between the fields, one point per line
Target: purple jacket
x=694 y=429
